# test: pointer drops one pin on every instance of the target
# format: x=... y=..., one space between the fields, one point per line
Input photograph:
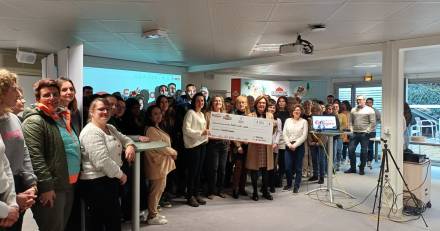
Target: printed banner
x=241 y=128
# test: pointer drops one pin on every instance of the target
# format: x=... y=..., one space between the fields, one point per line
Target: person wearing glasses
x=55 y=155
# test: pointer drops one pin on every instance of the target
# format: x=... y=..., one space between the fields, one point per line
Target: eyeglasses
x=50 y=95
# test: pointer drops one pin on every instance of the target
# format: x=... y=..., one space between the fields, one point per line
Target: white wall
x=212 y=82
x=26 y=82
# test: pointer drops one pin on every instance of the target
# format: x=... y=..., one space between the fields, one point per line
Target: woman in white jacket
x=101 y=174
x=295 y=134
x=195 y=137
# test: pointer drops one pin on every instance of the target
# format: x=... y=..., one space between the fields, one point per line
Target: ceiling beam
x=318 y=55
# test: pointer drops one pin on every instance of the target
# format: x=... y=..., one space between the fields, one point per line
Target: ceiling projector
x=299 y=47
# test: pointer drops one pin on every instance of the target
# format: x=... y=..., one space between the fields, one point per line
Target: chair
x=415 y=130
x=429 y=124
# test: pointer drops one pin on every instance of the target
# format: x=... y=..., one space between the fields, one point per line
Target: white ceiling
x=213 y=31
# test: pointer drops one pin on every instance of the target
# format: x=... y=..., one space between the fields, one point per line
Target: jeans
x=337 y=152
x=196 y=158
x=344 y=150
x=281 y=167
x=362 y=138
x=294 y=158
x=273 y=172
x=216 y=164
x=318 y=159
x=371 y=146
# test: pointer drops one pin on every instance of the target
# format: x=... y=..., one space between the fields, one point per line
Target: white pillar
x=393 y=120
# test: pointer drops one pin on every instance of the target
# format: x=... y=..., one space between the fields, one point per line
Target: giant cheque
x=241 y=128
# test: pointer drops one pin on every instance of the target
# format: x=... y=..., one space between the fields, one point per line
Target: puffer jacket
x=46 y=149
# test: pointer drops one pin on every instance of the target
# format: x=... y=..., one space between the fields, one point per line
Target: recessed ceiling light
x=266 y=47
x=368 y=65
x=317 y=27
x=154 y=34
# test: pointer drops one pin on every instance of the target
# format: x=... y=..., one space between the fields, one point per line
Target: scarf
x=64 y=113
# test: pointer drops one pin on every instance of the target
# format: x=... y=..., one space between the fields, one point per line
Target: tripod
x=384 y=170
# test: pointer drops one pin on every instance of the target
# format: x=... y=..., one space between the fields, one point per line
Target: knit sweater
x=7 y=190
x=362 y=119
x=193 y=125
x=295 y=130
x=72 y=149
x=101 y=152
x=16 y=150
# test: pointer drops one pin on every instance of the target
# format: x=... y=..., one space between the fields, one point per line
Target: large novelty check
x=241 y=128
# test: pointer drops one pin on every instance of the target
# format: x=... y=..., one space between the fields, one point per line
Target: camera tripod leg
x=413 y=197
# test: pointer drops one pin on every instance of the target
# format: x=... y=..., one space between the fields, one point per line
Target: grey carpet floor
x=295 y=212
x=291 y=212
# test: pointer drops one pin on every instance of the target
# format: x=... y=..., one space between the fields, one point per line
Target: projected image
x=143 y=85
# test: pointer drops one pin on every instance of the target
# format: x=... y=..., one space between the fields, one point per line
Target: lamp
x=368 y=77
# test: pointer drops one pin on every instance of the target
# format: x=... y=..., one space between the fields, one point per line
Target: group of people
x=49 y=162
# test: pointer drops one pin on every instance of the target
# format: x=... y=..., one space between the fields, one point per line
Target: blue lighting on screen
x=126 y=82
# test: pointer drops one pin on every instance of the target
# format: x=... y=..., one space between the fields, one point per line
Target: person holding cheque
x=217 y=156
x=295 y=134
x=260 y=156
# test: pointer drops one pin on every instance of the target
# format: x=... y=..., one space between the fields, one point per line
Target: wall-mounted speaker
x=26 y=57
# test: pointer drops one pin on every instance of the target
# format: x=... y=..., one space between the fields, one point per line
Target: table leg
x=376 y=150
x=136 y=194
x=330 y=167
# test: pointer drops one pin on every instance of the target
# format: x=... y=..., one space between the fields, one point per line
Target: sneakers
x=287 y=188
x=192 y=202
x=200 y=200
x=321 y=180
x=369 y=164
x=361 y=171
x=157 y=220
x=350 y=171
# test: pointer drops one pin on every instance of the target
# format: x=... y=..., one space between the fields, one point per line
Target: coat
x=252 y=159
x=159 y=162
x=47 y=152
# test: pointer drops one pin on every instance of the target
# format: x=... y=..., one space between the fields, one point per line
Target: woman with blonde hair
x=260 y=156
x=16 y=173
x=101 y=174
x=239 y=153
x=217 y=154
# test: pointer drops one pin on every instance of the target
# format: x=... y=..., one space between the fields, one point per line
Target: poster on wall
x=256 y=88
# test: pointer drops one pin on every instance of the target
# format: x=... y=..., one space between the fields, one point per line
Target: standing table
x=329 y=187
x=140 y=147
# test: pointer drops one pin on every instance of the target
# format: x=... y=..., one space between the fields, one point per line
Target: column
x=393 y=120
